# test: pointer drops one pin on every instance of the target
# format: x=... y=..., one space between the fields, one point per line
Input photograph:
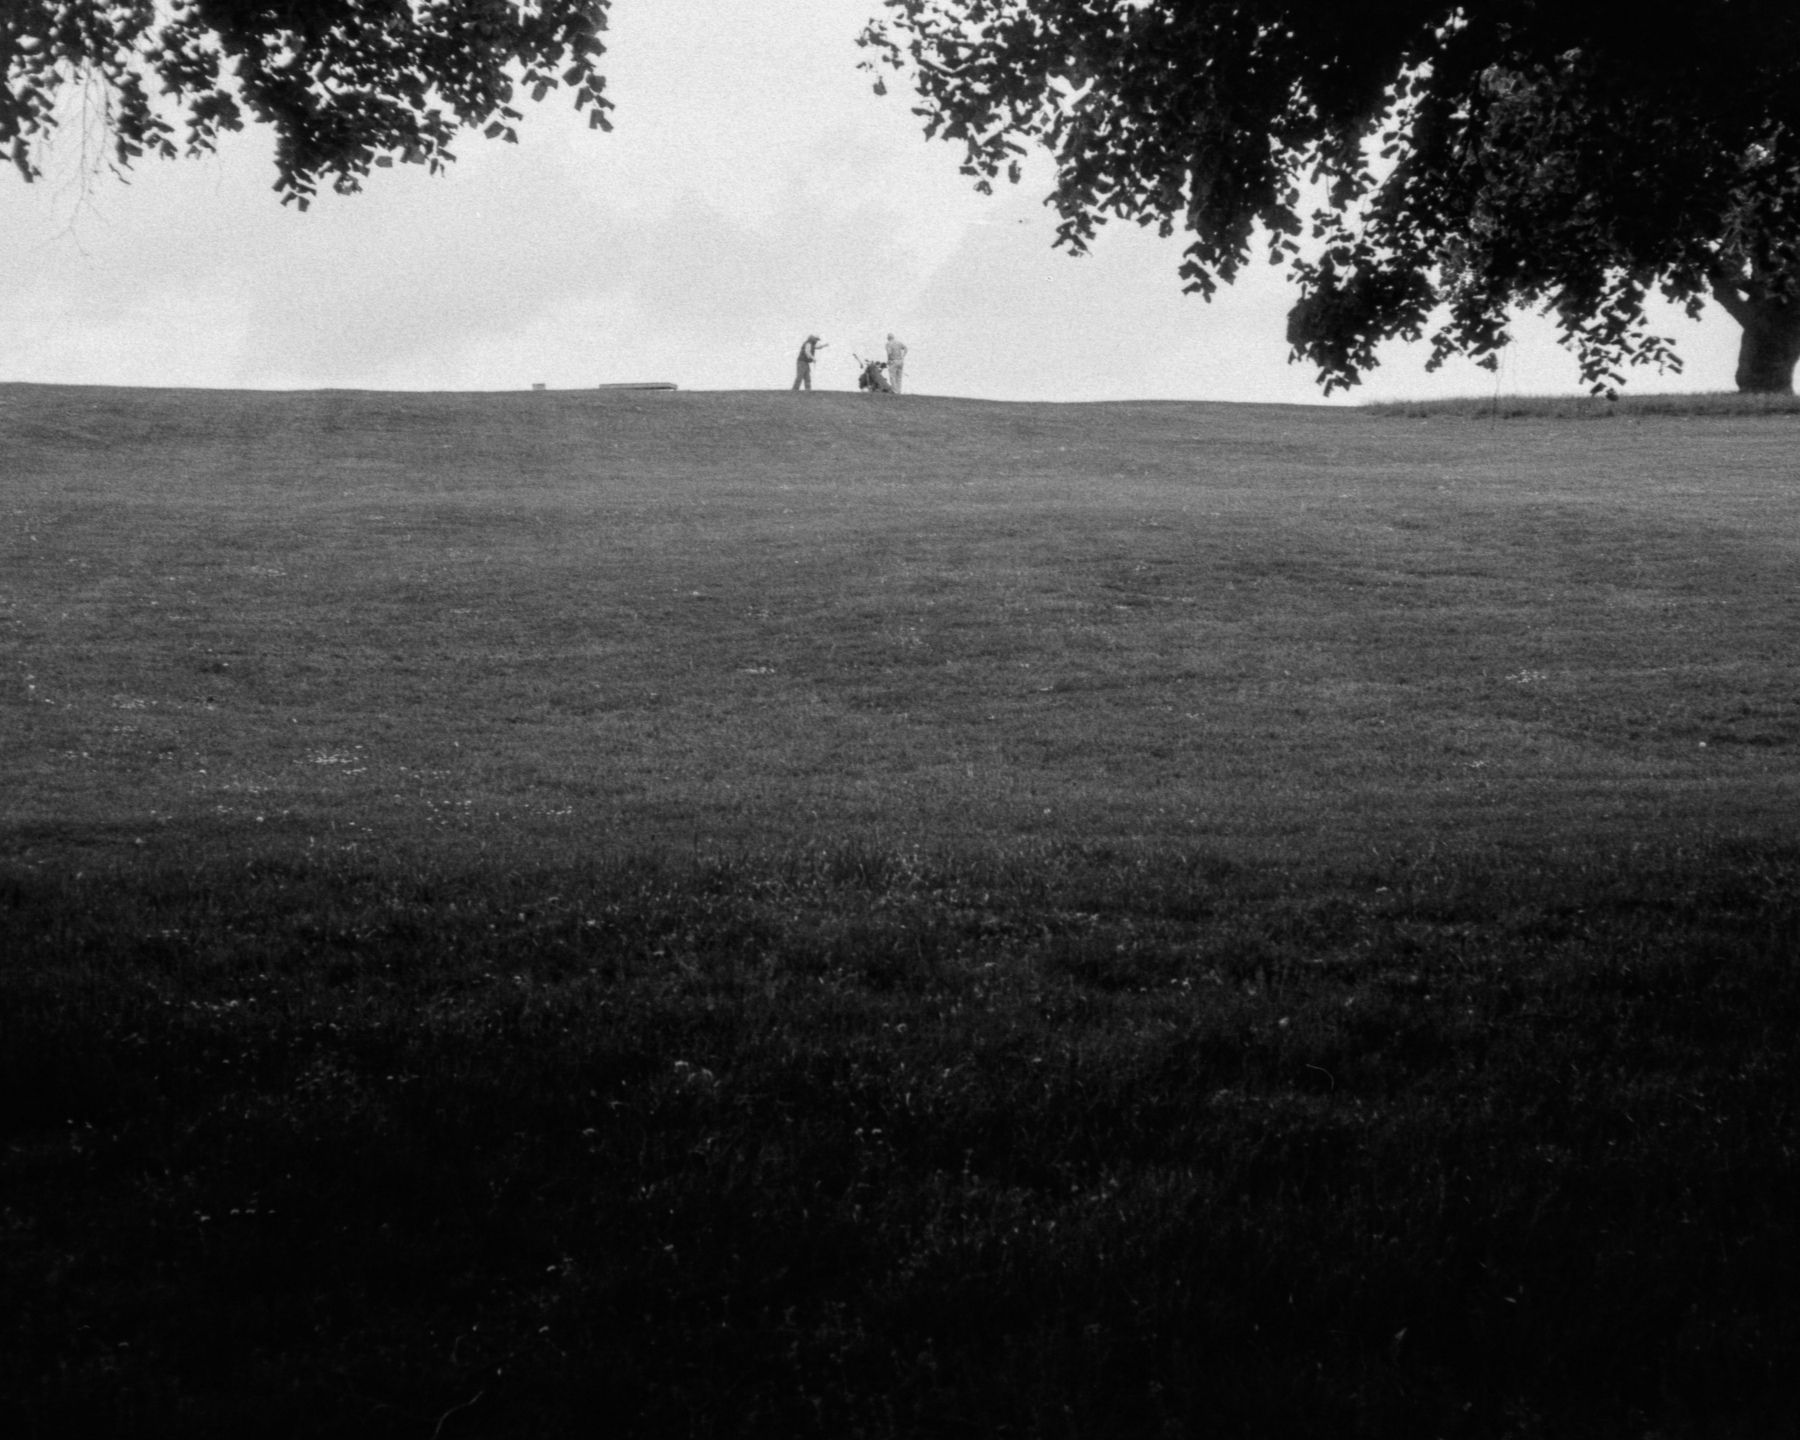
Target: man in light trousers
x=896 y=353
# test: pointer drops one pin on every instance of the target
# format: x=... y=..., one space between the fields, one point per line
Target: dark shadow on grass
x=845 y=1140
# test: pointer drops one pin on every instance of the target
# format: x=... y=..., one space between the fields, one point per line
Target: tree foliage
x=346 y=85
x=1422 y=167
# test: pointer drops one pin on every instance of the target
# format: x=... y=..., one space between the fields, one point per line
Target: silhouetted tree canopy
x=344 y=84
x=1574 y=155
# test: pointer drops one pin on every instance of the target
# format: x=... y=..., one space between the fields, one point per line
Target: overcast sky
x=753 y=190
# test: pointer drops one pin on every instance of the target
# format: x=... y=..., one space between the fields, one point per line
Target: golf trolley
x=872 y=375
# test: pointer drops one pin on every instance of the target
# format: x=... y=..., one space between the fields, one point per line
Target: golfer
x=896 y=361
x=809 y=352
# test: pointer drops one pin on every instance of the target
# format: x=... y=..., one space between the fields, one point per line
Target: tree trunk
x=1770 y=346
x=1769 y=349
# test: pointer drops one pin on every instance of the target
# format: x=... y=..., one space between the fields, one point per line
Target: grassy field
x=769 y=915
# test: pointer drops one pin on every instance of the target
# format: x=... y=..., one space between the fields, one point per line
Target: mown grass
x=865 y=1144
x=693 y=915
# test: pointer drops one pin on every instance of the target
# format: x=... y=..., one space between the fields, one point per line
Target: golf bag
x=873 y=375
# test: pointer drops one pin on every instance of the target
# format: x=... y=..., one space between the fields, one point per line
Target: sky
x=753 y=190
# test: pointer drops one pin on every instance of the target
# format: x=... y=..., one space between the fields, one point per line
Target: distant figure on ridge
x=809 y=352
x=896 y=361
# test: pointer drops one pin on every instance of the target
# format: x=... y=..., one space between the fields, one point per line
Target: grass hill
x=767 y=914
x=560 y=621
